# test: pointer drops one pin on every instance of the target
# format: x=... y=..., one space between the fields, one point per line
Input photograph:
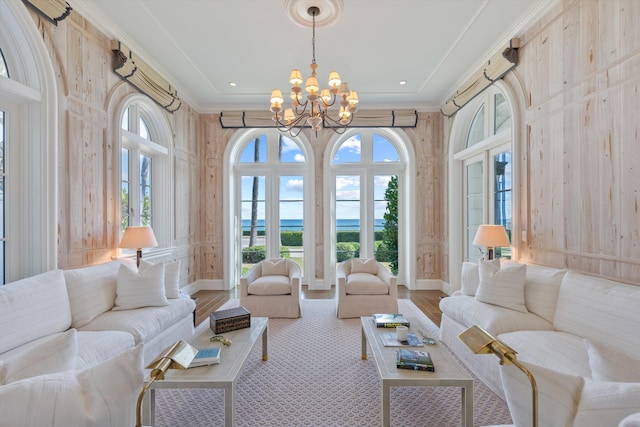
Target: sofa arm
x=389 y=279
x=294 y=278
x=250 y=277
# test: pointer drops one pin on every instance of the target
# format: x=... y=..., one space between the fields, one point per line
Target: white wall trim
x=429 y=285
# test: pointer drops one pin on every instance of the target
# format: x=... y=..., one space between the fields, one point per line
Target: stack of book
x=415 y=360
x=390 y=320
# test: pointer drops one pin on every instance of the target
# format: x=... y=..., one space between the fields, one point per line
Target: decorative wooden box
x=222 y=321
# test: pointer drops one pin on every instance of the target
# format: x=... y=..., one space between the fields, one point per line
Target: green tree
x=390 y=232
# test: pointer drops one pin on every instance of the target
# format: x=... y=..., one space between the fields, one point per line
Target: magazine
x=390 y=320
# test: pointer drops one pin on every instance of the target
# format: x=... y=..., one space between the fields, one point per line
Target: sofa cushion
x=92 y=291
x=607 y=364
x=503 y=286
x=541 y=290
x=600 y=310
x=366 y=284
x=104 y=395
x=558 y=395
x=47 y=355
x=95 y=347
x=33 y=308
x=275 y=267
x=470 y=277
x=136 y=289
x=270 y=285
x=143 y=323
x=171 y=277
x=496 y=320
x=365 y=265
x=604 y=403
x=555 y=350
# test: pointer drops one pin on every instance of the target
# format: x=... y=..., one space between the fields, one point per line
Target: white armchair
x=365 y=287
x=272 y=289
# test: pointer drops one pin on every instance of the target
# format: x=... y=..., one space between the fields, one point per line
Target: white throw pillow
x=56 y=354
x=368 y=265
x=275 y=267
x=470 y=277
x=104 y=395
x=558 y=394
x=607 y=364
x=33 y=308
x=144 y=289
x=171 y=277
x=604 y=403
x=502 y=286
x=92 y=291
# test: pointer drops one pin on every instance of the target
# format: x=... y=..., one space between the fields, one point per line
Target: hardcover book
x=205 y=357
x=390 y=320
x=414 y=359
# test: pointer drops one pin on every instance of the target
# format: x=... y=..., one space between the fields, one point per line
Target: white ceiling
x=200 y=46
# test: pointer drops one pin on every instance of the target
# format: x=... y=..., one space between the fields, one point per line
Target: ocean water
x=296 y=224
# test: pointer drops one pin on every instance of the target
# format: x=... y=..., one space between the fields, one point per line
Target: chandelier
x=314 y=111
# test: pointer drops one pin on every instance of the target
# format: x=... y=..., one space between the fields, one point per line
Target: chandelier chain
x=313 y=39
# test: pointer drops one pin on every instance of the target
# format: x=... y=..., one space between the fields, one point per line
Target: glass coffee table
x=448 y=371
x=222 y=375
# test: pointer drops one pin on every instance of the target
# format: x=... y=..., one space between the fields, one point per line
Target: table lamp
x=138 y=238
x=491 y=236
x=480 y=341
x=178 y=356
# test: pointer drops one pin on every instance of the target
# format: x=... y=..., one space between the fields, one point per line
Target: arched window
x=482 y=168
x=144 y=165
x=271 y=199
x=369 y=184
x=28 y=148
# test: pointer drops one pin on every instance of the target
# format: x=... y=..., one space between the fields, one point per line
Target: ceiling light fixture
x=314 y=111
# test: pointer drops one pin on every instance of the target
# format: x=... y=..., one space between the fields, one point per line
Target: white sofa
x=578 y=334
x=365 y=287
x=76 y=333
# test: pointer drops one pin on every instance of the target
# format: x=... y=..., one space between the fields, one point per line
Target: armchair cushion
x=368 y=265
x=270 y=285
x=366 y=284
x=276 y=267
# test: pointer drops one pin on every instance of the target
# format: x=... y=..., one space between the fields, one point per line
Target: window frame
x=506 y=140
x=368 y=169
x=160 y=150
x=272 y=169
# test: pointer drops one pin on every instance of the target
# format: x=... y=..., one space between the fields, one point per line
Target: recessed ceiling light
x=234 y=84
x=403 y=82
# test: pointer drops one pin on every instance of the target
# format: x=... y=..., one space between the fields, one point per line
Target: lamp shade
x=138 y=237
x=491 y=236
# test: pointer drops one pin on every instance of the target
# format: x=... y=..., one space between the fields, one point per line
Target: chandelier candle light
x=314 y=111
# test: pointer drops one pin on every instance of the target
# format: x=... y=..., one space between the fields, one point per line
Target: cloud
x=299 y=157
x=295 y=185
x=348 y=195
x=342 y=182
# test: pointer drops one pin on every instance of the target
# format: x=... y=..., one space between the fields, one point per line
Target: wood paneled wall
x=88 y=93
x=579 y=83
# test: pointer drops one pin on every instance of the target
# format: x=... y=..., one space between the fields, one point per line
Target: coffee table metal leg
x=364 y=345
x=265 y=343
x=386 y=404
x=467 y=405
x=229 y=390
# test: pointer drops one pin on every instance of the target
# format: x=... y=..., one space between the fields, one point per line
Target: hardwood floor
x=427 y=301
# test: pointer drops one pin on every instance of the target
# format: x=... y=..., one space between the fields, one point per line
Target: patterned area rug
x=315 y=377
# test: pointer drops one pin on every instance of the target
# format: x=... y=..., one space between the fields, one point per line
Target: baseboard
x=204 y=285
x=429 y=285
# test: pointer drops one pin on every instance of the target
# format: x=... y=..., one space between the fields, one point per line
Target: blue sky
x=347 y=187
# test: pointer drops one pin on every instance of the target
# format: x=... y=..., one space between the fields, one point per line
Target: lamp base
x=138 y=256
x=490 y=253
